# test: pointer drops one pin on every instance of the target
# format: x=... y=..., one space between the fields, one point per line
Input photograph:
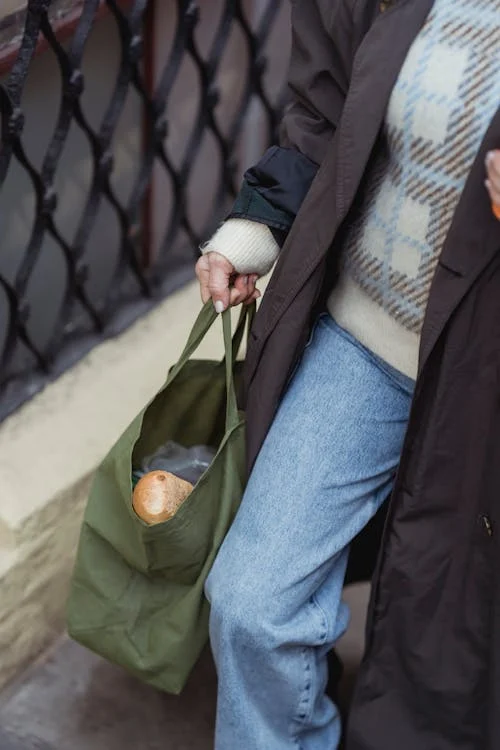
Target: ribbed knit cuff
x=248 y=245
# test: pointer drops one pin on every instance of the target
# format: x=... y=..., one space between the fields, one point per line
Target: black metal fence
x=144 y=269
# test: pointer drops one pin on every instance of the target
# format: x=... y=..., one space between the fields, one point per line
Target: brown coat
x=430 y=679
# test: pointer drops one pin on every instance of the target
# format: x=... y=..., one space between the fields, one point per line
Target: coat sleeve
x=320 y=67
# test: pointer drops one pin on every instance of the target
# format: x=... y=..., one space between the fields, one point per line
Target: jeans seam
x=326 y=620
x=304 y=709
x=304 y=712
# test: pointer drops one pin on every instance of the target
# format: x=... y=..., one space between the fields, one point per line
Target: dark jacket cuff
x=273 y=190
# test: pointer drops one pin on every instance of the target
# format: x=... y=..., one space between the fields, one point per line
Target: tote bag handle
x=202 y=325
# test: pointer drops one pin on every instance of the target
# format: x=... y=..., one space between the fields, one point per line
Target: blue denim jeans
x=326 y=466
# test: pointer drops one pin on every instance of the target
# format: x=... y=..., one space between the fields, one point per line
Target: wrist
x=247 y=245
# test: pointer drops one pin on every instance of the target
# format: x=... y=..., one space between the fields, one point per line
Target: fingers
x=493 y=181
x=214 y=274
x=203 y=274
x=218 y=286
x=254 y=293
x=218 y=282
x=255 y=296
x=494 y=192
x=243 y=289
x=493 y=165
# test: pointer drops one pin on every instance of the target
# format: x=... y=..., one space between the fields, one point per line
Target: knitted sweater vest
x=445 y=97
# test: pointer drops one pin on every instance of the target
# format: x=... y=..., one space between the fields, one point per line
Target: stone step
x=8 y=742
x=73 y=699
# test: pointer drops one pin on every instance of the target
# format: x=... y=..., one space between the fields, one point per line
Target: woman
x=398 y=104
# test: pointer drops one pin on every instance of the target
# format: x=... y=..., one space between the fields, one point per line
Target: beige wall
x=48 y=452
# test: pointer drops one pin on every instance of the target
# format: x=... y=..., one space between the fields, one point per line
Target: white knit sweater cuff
x=248 y=245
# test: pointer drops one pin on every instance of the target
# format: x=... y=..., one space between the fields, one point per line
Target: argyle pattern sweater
x=445 y=97
x=442 y=103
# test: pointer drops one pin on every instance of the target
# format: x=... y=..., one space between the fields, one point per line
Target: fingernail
x=489 y=157
x=487 y=184
x=219 y=307
x=245 y=280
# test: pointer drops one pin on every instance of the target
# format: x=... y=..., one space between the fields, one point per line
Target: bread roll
x=158 y=496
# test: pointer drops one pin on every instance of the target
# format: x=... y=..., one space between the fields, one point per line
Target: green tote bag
x=136 y=595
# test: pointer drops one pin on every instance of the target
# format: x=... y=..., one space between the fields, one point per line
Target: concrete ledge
x=48 y=452
x=33 y=590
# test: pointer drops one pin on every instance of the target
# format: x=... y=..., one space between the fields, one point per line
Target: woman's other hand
x=493 y=181
x=219 y=282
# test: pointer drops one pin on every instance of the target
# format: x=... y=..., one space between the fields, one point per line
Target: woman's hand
x=219 y=282
x=493 y=181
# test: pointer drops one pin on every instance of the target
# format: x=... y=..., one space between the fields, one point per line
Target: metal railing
x=146 y=268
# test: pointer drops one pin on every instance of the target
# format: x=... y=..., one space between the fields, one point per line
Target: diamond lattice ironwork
x=207 y=46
